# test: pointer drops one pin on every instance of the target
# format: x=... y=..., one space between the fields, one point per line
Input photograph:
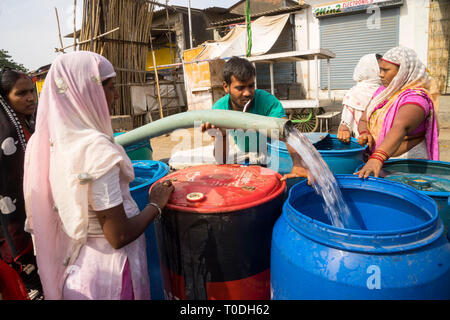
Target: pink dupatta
x=431 y=127
x=72 y=145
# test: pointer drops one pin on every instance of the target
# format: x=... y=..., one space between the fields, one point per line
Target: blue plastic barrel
x=401 y=253
x=146 y=173
x=341 y=158
x=431 y=178
x=139 y=151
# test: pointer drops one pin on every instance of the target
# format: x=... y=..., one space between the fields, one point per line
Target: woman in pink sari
x=400 y=121
x=87 y=230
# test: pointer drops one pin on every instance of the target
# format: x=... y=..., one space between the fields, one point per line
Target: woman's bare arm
x=119 y=230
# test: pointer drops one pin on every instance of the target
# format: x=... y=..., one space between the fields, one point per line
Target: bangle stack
x=364 y=131
x=379 y=155
x=157 y=207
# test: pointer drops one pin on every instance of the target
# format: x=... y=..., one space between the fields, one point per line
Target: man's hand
x=206 y=126
x=298 y=172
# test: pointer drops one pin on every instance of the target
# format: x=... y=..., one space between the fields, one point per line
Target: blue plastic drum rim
x=159 y=168
x=356 y=148
x=136 y=146
x=367 y=241
x=435 y=194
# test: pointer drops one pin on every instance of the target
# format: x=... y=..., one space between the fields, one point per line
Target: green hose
x=226 y=119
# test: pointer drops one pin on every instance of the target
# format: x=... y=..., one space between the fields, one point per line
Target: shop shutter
x=350 y=38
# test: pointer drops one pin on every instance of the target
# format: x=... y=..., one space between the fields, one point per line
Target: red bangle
x=377 y=158
x=382 y=153
x=364 y=131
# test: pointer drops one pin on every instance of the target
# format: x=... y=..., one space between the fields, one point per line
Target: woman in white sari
x=367 y=77
x=87 y=229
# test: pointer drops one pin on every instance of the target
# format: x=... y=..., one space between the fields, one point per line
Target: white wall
x=413 y=29
x=413 y=33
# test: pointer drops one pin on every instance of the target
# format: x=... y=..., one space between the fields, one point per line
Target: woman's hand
x=366 y=138
x=372 y=166
x=343 y=133
x=161 y=192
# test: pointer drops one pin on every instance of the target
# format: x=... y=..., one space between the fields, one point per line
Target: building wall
x=413 y=32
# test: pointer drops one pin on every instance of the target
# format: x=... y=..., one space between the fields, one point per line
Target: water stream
x=324 y=182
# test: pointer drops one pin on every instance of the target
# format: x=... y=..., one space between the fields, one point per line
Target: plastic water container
x=341 y=158
x=401 y=253
x=429 y=177
x=146 y=173
x=215 y=233
x=139 y=151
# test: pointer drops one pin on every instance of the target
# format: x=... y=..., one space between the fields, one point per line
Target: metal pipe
x=272 y=86
x=226 y=119
x=190 y=23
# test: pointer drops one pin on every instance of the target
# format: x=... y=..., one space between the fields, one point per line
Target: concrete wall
x=413 y=32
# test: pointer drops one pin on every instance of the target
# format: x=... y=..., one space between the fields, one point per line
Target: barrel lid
x=223 y=188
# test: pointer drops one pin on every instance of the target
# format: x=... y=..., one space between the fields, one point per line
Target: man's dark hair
x=379 y=56
x=240 y=68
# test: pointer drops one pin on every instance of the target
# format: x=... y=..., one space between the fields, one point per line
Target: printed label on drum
x=374 y=280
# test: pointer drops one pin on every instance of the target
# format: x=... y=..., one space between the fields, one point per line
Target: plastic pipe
x=226 y=119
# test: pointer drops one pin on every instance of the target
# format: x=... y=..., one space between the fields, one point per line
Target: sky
x=29 y=29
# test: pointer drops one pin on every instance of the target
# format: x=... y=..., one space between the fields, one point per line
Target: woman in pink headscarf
x=400 y=121
x=87 y=230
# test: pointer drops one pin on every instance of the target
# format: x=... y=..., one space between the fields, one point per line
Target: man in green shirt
x=239 y=84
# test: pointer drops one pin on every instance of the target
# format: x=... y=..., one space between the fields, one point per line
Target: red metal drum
x=215 y=233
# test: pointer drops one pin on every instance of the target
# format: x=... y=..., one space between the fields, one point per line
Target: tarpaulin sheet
x=265 y=32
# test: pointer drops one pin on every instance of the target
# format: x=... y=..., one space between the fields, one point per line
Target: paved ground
x=164 y=145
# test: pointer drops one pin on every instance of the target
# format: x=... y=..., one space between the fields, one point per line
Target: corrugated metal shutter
x=284 y=73
x=350 y=38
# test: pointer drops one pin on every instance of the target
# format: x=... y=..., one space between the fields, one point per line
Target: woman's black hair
x=8 y=78
x=379 y=56
x=105 y=82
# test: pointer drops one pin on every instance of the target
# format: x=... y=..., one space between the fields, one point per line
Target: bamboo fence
x=126 y=48
x=439 y=43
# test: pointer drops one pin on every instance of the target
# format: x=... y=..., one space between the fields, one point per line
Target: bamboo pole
x=74 y=25
x=157 y=83
x=59 y=29
x=89 y=40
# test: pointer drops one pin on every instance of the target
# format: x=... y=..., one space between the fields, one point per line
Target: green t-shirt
x=264 y=104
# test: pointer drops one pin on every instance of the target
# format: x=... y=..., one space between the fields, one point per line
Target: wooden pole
x=89 y=40
x=92 y=26
x=59 y=29
x=156 y=77
x=74 y=25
